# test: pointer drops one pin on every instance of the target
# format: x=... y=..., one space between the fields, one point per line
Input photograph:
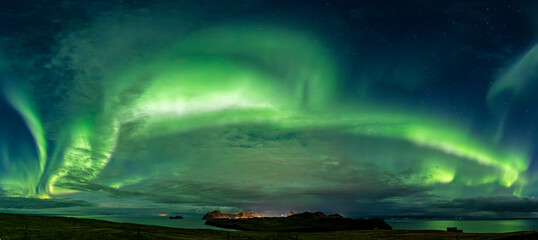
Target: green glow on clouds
x=276 y=78
x=28 y=184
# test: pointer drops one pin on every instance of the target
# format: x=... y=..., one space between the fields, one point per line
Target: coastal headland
x=301 y=222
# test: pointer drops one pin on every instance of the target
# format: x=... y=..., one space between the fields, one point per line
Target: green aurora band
x=28 y=183
x=519 y=78
x=278 y=78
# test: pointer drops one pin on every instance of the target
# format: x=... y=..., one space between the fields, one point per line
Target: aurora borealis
x=366 y=108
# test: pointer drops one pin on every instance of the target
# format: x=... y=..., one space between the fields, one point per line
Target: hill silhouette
x=301 y=222
x=218 y=215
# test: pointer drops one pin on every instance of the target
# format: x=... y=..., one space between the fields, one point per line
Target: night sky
x=363 y=108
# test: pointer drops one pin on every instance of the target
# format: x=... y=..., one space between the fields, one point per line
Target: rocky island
x=301 y=222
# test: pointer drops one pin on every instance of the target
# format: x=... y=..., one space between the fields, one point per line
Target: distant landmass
x=301 y=222
x=289 y=213
x=218 y=215
x=316 y=215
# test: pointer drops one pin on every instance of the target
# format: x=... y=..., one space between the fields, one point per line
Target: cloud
x=255 y=167
x=37 y=203
x=78 y=184
x=500 y=204
x=294 y=192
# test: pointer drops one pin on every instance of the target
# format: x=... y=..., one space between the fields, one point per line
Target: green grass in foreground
x=14 y=226
x=300 y=224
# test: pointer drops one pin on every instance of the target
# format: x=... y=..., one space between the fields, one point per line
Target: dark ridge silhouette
x=336 y=215
x=218 y=215
x=316 y=215
x=301 y=222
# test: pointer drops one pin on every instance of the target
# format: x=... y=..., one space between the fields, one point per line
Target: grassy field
x=14 y=226
x=299 y=224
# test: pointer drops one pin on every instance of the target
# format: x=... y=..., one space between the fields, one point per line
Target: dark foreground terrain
x=305 y=222
x=14 y=226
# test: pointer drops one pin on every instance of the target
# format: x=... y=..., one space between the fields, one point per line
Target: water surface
x=469 y=226
x=186 y=222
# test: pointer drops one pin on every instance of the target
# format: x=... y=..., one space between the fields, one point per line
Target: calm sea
x=469 y=226
x=186 y=222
